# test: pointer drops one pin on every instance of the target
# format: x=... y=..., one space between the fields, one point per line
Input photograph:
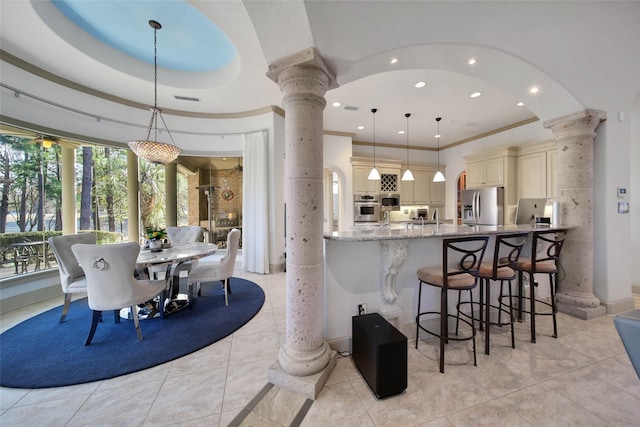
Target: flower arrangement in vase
x=155 y=238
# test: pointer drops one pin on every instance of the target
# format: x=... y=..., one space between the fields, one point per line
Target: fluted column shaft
x=574 y=136
x=304 y=79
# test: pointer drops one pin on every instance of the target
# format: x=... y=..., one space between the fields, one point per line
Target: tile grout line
x=237 y=420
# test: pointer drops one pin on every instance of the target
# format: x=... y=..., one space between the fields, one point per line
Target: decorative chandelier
x=374 y=175
x=439 y=176
x=407 y=175
x=153 y=150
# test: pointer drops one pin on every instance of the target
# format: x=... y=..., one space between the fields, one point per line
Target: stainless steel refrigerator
x=483 y=206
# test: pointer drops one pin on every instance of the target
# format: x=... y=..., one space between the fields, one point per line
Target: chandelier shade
x=153 y=150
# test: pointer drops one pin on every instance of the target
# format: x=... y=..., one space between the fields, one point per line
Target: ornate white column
x=304 y=78
x=574 y=136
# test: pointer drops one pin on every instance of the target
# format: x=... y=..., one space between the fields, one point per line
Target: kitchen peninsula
x=377 y=266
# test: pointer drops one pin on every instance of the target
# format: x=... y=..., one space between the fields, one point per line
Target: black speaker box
x=379 y=351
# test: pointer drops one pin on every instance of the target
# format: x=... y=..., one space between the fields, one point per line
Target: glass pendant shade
x=152 y=150
x=407 y=175
x=439 y=176
x=374 y=175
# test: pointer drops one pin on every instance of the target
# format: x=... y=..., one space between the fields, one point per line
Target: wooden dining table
x=172 y=258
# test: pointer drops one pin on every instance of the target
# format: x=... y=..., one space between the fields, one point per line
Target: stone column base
x=584 y=313
x=309 y=385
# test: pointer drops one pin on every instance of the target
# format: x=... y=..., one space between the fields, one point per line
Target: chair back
x=227 y=264
x=461 y=258
x=68 y=265
x=545 y=249
x=506 y=253
x=109 y=271
x=184 y=235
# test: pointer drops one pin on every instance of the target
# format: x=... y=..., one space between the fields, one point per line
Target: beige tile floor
x=583 y=378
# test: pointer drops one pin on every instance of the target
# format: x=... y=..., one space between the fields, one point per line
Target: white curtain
x=255 y=209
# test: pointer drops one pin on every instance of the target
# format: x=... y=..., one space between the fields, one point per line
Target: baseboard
x=635 y=288
x=30 y=297
x=619 y=306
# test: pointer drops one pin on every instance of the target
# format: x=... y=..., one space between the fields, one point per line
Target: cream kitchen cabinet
x=361 y=183
x=537 y=171
x=389 y=172
x=422 y=190
x=494 y=168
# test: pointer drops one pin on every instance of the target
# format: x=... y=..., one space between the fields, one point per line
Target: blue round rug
x=40 y=352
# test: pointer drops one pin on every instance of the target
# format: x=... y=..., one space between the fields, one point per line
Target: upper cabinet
x=422 y=190
x=389 y=174
x=494 y=168
x=537 y=171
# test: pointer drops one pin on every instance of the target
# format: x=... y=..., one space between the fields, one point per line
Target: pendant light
x=374 y=175
x=439 y=176
x=152 y=149
x=407 y=175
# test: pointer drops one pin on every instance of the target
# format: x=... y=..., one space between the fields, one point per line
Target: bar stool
x=461 y=260
x=506 y=253
x=545 y=252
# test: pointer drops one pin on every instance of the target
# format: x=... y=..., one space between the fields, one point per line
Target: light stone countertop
x=398 y=231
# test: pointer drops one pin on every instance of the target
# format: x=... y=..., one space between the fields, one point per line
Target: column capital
x=306 y=59
x=582 y=120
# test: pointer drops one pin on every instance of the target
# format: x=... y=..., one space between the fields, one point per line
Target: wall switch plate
x=622 y=193
x=623 y=207
x=362 y=309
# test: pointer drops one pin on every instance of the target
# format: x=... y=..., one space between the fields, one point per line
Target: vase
x=155 y=245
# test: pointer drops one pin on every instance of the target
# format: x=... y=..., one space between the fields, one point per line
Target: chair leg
x=532 y=307
x=553 y=279
x=520 y=291
x=511 y=319
x=487 y=313
x=225 y=285
x=116 y=316
x=444 y=327
x=94 y=324
x=136 y=321
x=418 y=316
x=65 y=309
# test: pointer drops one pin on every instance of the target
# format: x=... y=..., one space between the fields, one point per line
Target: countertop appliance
x=483 y=206
x=366 y=208
x=390 y=201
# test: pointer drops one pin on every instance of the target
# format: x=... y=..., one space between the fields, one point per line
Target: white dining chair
x=72 y=277
x=217 y=271
x=111 y=284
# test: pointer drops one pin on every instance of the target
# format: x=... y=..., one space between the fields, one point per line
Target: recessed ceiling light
x=421 y=84
x=393 y=60
x=520 y=104
x=534 y=89
x=400 y=132
x=437 y=136
x=475 y=94
x=360 y=127
x=336 y=104
x=224 y=158
x=471 y=61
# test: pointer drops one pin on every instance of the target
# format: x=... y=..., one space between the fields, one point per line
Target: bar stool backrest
x=462 y=255
x=545 y=248
x=507 y=251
